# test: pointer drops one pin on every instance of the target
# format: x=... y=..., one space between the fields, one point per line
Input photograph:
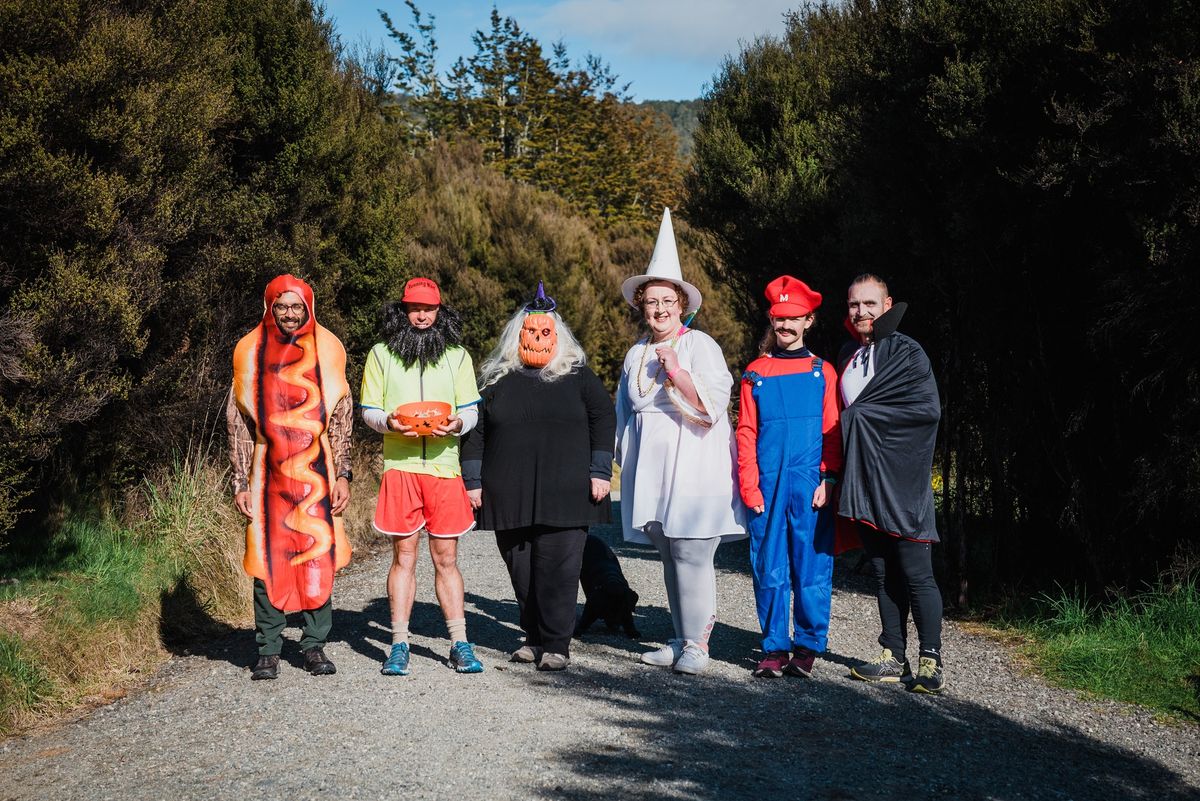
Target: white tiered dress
x=677 y=463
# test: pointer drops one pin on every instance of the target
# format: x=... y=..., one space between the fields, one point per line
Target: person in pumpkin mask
x=538 y=466
x=289 y=417
x=420 y=359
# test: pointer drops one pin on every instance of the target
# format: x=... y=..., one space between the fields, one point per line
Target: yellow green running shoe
x=883 y=668
x=930 y=677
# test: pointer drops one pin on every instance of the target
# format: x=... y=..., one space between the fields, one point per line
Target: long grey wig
x=506 y=358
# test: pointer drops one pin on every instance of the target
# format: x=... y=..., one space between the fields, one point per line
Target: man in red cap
x=420 y=359
x=789 y=455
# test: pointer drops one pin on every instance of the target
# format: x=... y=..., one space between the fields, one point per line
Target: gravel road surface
x=608 y=728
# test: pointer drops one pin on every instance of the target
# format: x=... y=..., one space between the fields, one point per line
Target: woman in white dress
x=676 y=450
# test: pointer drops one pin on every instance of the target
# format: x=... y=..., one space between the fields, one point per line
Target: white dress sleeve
x=705 y=363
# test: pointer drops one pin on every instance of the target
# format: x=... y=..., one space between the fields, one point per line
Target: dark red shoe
x=801 y=664
x=771 y=666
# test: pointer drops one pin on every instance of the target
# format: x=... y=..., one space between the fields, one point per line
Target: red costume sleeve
x=747 y=447
x=831 y=426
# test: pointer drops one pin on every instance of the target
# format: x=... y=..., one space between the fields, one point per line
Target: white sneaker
x=666 y=656
x=693 y=659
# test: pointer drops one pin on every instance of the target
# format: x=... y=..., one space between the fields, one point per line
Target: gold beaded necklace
x=642 y=367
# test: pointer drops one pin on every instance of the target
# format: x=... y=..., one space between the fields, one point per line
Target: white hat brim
x=630 y=285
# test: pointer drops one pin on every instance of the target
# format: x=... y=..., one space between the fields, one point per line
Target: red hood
x=288 y=283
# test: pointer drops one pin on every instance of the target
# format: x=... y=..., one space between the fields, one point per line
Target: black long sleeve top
x=537 y=446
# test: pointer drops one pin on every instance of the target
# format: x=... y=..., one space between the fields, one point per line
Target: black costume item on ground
x=607 y=593
x=888 y=435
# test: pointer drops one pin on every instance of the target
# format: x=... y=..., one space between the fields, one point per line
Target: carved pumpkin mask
x=539 y=340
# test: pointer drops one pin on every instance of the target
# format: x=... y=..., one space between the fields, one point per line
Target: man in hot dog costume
x=420 y=359
x=289 y=418
x=789 y=456
x=889 y=429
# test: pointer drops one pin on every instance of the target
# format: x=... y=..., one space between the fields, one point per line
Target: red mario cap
x=422 y=290
x=791 y=297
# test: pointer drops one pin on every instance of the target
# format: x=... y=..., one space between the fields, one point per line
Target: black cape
x=888 y=435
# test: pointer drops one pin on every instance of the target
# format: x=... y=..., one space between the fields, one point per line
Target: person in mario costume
x=420 y=359
x=789 y=455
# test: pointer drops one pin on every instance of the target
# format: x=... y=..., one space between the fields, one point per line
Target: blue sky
x=667 y=49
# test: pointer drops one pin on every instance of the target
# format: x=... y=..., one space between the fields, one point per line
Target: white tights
x=691 y=582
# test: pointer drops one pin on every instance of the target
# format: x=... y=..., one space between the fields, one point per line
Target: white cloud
x=701 y=31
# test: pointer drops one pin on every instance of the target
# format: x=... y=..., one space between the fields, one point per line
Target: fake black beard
x=415 y=345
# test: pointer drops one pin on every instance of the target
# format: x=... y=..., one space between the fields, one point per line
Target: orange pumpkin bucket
x=423 y=416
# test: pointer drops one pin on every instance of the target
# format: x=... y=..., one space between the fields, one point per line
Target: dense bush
x=1027 y=175
x=159 y=162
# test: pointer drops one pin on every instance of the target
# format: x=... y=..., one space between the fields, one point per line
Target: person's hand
x=452 y=425
x=340 y=496
x=242 y=502
x=758 y=510
x=819 y=496
x=395 y=425
x=475 y=496
x=667 y=357
x=600 y=488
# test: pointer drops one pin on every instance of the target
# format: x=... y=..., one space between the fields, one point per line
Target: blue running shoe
x=397 y=663
x=463 y=660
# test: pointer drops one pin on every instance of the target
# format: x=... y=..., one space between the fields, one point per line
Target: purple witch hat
x=541 y=303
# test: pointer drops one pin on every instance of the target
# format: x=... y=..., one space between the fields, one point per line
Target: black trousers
x=269 y=623
x=543 y=563
x=904 y=582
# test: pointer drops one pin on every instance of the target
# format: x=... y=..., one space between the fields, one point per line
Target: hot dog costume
x=291 y=397
x=788 y=441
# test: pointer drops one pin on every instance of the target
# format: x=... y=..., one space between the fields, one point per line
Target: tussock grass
x=93 y=608
x=105 y=597
x=1144 y=649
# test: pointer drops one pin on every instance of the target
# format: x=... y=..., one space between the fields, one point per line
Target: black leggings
x=904 y=581
x=543 y=563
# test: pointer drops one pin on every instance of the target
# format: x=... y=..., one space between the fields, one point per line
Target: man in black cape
x=889 y=428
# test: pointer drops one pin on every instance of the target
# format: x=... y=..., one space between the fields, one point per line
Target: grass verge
x=105 y=599
x=1143 y=649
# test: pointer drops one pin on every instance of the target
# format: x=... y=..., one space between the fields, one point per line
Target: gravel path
x=607 y=728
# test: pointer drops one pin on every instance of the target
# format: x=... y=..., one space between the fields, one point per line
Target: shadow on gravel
x=707 y=738
x=186 y=628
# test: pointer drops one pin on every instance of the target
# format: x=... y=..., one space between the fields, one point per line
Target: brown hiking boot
x=316 y=663
x=267 y=667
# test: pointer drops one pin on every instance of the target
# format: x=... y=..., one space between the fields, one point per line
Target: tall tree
x=159 y=161
x=538 y=119
x=1025 y=174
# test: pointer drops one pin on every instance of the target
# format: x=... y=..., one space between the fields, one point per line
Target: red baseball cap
x=791 y=297
x=422 y=290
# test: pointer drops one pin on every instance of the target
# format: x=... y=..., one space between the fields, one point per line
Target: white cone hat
x=664 y=266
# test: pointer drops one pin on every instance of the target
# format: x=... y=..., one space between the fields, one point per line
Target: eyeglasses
x=666 y=303
x=294 y=308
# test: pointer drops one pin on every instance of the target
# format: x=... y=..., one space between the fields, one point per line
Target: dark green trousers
x=269 y=623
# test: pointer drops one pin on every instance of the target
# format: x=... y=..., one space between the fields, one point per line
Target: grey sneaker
x=666 y=656
x=551 y=661
x=930 y=677
x=693 y=659
x=526 y=654
x=884 y=668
